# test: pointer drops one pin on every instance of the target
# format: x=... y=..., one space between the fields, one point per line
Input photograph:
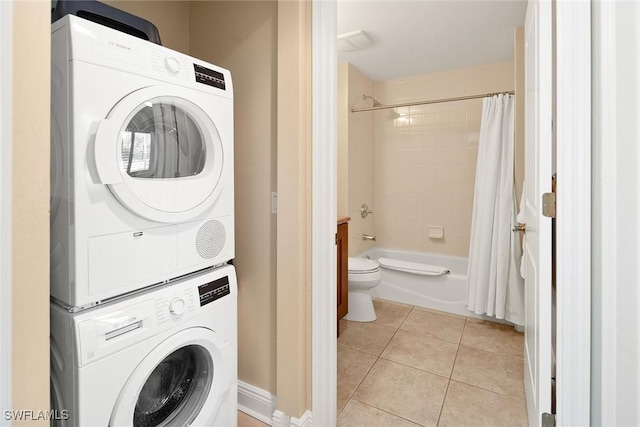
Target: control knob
x=177 y=306
x=172 y=64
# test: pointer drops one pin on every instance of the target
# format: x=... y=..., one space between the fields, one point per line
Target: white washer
x=141 y=163
x=163 y=357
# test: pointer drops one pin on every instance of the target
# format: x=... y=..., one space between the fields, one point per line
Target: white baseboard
x=261 y=404
x=304 y=421
x=280 y=419
x=254 y=401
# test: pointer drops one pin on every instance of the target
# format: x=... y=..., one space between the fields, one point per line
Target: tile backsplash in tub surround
x=425 y=157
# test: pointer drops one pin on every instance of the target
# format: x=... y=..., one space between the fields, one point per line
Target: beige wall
x=30 y=291
x=343 y=138
x=425 y=157
x=242 y=37
x=361 y=150
x=294 y=207
x=171 y=18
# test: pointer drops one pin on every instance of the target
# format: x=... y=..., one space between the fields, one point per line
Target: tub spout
x=368 y=237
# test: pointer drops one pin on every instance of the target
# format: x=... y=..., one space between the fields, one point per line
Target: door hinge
x=548 y=420
x=549 y=205
x=336 y=238
x=549 y=200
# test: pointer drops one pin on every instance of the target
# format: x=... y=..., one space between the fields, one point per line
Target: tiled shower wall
x=425 y=157
x=356 y=145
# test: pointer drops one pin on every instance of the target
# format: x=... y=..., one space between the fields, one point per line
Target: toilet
x=364 y=275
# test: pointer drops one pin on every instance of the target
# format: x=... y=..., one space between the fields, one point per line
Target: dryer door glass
x=176 y=390
x=162 y=140
x=162 y=155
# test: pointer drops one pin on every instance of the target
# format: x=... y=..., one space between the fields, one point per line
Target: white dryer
x=162 y=357
x=141 y=163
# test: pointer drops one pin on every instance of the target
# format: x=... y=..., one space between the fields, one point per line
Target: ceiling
x=425 y=36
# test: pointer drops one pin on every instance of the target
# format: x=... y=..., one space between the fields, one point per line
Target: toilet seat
x=362 y=266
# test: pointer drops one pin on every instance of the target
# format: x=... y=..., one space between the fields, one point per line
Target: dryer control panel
x=209 y=77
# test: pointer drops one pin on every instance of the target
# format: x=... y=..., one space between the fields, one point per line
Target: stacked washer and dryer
x=144 y=300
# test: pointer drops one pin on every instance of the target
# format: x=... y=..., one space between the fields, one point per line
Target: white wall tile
x=425 y=163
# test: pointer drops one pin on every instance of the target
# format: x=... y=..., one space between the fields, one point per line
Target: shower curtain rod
x=434 y=101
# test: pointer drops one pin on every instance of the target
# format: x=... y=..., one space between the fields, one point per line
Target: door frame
x=616 y=239
x=573 y=219
x=324 y=164
x=573 y=225
x=6 y=160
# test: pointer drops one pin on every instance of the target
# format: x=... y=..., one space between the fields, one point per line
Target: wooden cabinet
x=342 y=245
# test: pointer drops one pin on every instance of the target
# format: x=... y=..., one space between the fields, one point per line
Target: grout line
x=443 y=401
x=417 y=369
x=363 y=378
x=388 y=342
x=451 y=374
x=490 y=391
x=386 y=411
x=406 y=317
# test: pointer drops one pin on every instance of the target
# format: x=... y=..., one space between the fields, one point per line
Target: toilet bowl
x=364 y=275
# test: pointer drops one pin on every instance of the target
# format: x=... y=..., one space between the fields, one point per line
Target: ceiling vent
x=355 y=40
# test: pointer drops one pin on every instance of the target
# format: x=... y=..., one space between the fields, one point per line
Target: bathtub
x=447 y=292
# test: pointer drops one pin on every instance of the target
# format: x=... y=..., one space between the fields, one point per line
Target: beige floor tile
x=342 y=325
x=493 y=337
x=422 y=352
x=245 y=420
x=496 y=372
x=358 y=414
x=466 y=405
x=441 y=326
x=342 y=400
x=367 y=337
x=403 y=391
x=390 y=313
x=353 y=366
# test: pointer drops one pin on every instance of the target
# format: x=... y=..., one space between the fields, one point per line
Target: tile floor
x=419 y=367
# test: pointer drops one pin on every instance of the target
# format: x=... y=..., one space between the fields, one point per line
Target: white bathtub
x=445 y=293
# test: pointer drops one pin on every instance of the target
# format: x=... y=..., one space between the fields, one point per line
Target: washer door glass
x=176 y=390
x=162 y=140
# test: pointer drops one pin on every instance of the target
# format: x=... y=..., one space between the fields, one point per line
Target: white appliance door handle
x=106 y=156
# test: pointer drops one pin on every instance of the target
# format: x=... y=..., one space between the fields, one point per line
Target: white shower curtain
x=494 y=286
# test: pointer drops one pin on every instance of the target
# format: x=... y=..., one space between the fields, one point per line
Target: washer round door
x=182 y=382
x=160 y=154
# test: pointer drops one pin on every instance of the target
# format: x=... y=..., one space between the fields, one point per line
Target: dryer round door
x=181 y=382
x=161 y=154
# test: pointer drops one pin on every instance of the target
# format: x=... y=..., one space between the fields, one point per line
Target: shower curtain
x=494 y=285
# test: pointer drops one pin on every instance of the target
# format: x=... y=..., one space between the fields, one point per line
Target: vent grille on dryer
x=210 y=239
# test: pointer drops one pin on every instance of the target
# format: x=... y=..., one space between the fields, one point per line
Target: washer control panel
x=214 y=290
x=174 y=305
x=104 y=330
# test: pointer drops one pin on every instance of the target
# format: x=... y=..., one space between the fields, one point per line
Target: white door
x=538 y=170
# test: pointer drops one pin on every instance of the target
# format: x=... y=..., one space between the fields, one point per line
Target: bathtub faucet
x=368 y=237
